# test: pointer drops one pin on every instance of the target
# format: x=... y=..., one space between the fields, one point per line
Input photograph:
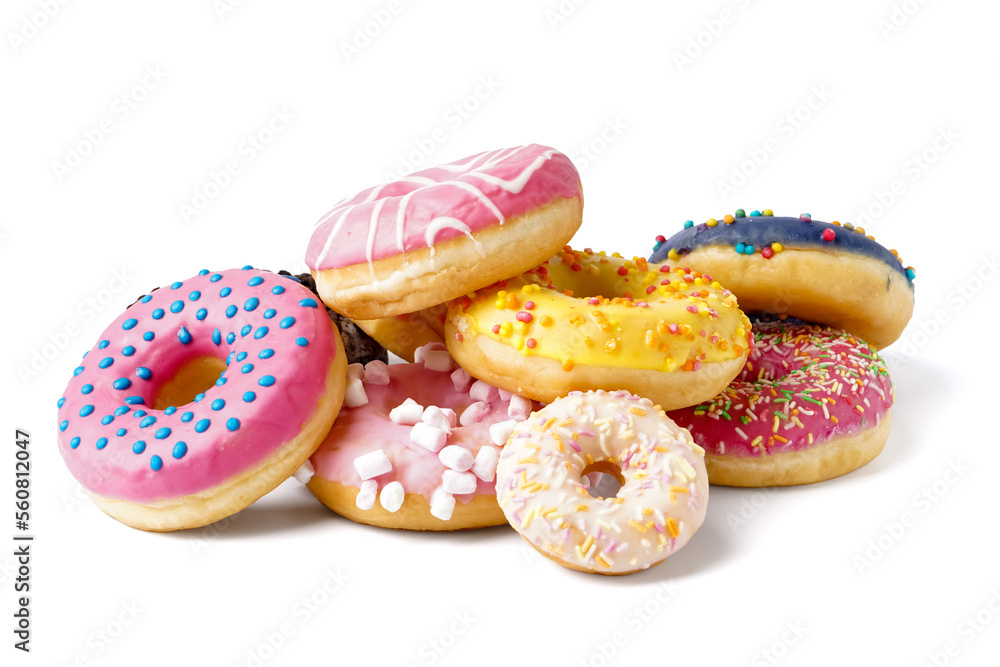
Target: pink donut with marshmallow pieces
x=416 y=446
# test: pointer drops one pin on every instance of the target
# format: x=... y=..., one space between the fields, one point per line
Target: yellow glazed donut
x=439 y=233
x=824 y=272
x=585 y=320
x=660 y=505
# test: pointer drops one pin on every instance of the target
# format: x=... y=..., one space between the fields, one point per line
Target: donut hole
x=194 y=377
x=610 y=481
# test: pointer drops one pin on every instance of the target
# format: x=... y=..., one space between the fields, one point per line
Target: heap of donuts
x=539 y=377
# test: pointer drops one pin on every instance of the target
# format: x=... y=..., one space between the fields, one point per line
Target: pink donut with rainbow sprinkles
x=812 y=403
x=201 y=397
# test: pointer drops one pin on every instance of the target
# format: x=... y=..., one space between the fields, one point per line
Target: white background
x=880 y=112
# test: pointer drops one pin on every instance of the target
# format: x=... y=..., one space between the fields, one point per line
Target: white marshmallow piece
x=442 y=504
x=392 y=496
x=504 y=395
x=355 y=395
x=355 y=372
x=376 y=372
x=450 y=416
x=436 y=417
x=408 y=412
x=519 y=408
x=474 y=414
x=366 y=495
x=483 y=391
x=437 y=360
x=421 y=352
x=455 y=482
x=428 y=437
x=461 y=380
x=485 y=466
x=456 y=457
x=372 y=464
x=305 y=472
x=500 y=432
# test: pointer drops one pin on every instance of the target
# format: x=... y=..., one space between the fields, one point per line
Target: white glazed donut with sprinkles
x=660 y=505
x=201 y=397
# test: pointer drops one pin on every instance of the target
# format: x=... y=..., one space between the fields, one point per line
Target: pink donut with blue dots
x=201 y=397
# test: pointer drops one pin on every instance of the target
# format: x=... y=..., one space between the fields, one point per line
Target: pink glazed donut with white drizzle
x=201 y=397
x=443 y=232
x=416 y=446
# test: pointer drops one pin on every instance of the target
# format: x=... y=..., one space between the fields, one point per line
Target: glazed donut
x=442 y=232
x=664 y=488
x=812 y=403
x=824 y=272
x=359 y=346
x=424 y=438
x=202 y=397
x=669 y=334
x=403 y=334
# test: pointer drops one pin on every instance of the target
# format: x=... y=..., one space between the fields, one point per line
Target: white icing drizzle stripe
x=372 y=229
